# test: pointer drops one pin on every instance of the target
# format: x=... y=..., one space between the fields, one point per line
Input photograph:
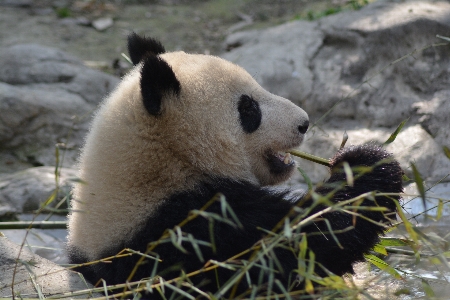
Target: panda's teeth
x=287 y=159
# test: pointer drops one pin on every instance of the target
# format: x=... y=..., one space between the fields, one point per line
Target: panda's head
x=175 y=121
x=205 y=116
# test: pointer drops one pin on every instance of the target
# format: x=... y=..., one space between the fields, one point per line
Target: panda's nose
x=303 y=127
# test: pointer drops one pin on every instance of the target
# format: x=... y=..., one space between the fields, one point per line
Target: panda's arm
x=356 y=236
x=374 y=170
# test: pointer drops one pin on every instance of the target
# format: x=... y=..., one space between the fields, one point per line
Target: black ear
x=139 y=46
x=157 y=79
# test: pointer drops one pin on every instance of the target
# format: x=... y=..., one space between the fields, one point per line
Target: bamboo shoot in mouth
x=310 y=157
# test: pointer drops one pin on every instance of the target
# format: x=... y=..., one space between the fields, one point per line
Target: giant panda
x=184 y=134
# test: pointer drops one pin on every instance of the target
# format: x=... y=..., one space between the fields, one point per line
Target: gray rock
x=33 y=275
x=47 y=243
x=348 y=63
x=27 y=190
x=16 y=3
x=46 y=98
x=102 y=23
x=415 y=145
x=278 y=58
x=435 y=116
x=358 y=45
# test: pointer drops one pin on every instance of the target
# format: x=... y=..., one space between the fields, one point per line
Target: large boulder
x=46 y=98
x=36 y=277
x=362 y=72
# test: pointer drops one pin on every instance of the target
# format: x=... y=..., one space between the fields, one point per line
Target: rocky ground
x=360 y=71
x=95 y=30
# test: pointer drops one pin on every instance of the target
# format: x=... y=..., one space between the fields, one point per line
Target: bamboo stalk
x=33 y=224
x=310 y=157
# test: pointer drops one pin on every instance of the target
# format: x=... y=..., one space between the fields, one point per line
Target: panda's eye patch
x=249 y=113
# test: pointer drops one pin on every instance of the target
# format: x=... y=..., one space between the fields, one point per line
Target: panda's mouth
x=279 y=162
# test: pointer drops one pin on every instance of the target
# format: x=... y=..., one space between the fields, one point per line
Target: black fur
x=255 y=208
x=139 y=47
x=249 y=113
x=157 y=79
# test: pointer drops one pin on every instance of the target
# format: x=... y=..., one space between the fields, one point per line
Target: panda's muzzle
x=279 y=162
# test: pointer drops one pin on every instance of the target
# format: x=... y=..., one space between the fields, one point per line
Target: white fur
x=132 y=160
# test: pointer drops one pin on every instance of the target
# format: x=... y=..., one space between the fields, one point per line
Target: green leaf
x=303 y=247
x=196 y=247
x=406 y=178
x=396 y=132
x=447 y=151
x=408 y=226
x=348 y=174
x=390 y=242
x=380 y=249
x=179 y=291
x=427 y=288
x=51 y=198
x=287 y=228
x=382 y=265
x=419 y=183
x=306 y=178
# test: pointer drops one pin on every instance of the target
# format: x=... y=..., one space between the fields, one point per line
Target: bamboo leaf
x=408 y=226
x=196 y=247
x=348 y=174
x=287 y=228
x=179 y=291
x=427 y=288
x=309 y=288
x=396 y=132
x=447 y=151
x=126 y=58
x=380 y=249
x=227 y=208
x=420 y=184
x=382 y=265
x=51 y=198
x=176 y=241
x=306 y=178
x=283 y=290
x=396 y=242
x=406 y=178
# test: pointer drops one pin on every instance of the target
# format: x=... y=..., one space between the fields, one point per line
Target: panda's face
x=213 y=116
x=272 y=126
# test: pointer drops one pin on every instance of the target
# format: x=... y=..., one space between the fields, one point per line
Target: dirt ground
x=195 y=26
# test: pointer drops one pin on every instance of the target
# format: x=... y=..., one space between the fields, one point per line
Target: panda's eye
x=249 y=113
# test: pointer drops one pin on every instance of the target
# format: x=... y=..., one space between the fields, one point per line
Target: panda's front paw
x=380 y=172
